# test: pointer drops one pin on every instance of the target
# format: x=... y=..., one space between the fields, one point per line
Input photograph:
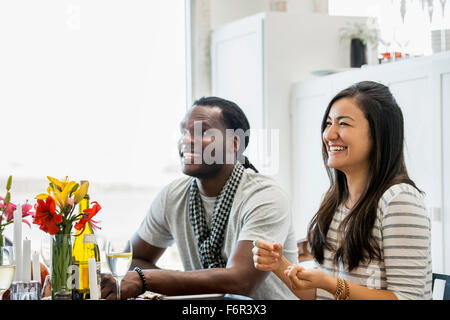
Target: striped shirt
x=402 y=230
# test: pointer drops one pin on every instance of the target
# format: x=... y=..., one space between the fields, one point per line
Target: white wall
x=80 y=84
x=225 y=11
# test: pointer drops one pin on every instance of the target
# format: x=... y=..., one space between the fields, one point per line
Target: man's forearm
x=219 y=280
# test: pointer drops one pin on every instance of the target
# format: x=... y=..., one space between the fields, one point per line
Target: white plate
x=211 y=296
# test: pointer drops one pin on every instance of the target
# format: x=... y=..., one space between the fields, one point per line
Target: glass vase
x=61 y=266
x=357 y=53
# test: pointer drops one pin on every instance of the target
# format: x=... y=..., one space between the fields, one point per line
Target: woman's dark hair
x=386 y=168
x=233 y=117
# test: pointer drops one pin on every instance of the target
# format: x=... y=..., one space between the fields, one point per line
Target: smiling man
x=213 y=215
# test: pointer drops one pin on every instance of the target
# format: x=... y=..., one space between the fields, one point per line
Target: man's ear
x=236 y=144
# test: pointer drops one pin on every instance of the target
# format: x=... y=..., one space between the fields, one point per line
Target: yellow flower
x=61 y=190
x=57 y=195
x=42 y=196
x=81 y=192
x=56 y=183
x=67 y=190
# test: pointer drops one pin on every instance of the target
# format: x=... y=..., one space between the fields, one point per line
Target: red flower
x=26 y=212
x=11 y=207
x=46 y=216
x=87 y=218
x=9 y=211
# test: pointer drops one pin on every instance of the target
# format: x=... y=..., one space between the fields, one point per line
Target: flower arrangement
x=56 y=215
x=55 y=210
x=7 y=209
x=361 y=31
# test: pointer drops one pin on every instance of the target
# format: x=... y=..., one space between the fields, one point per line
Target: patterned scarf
x=210 y=242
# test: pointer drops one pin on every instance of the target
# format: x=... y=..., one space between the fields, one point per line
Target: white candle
x=36 y=267
x=18 y=242
x=26 y=269
x=94 y=290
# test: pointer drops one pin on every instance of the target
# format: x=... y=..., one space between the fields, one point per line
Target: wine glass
x=7 y=268
x=119 y=255
x=46 y=251
x=46 y=254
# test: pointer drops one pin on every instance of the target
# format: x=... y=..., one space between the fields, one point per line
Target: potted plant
x=361 y=36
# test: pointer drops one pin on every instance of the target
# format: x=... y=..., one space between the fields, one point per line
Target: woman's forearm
x=308 y=294
x=358 y=292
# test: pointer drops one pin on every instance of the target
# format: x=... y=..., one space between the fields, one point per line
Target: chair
x=303 y=250
x=446 y=278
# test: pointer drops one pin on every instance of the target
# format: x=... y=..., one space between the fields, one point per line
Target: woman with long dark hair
x=370 y=238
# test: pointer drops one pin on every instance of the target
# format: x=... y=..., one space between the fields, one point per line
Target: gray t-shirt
x=208 y=205
x=260 y=211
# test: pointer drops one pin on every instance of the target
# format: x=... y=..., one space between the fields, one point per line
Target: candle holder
x=30 y=290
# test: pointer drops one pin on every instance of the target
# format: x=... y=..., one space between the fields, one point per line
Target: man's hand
x=267 y=256
x=131 y=286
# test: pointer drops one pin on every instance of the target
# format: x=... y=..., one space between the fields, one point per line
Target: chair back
x=446 y=278
x=303 y=250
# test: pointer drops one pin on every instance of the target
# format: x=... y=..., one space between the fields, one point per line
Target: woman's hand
x=267 y=256
x=302 y=279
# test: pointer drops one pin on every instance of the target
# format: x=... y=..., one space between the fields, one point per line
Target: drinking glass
x=7 y=268
x=119 y=255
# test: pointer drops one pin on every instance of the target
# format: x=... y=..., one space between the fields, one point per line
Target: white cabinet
x=421 y=87
x=238 y=65
x=441 y=95
x=254 y=62
x=308 y=172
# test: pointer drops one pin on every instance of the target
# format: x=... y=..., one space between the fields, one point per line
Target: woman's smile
x=336 y=149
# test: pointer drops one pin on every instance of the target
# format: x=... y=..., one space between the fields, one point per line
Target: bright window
x=94 y=90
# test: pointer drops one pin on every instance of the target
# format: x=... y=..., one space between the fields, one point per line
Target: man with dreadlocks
x=213 y=215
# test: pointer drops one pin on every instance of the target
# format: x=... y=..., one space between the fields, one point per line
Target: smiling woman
x=85 y=87
x=370 y=238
